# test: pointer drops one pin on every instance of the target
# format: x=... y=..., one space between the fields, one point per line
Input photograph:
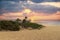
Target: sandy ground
x=47 y=33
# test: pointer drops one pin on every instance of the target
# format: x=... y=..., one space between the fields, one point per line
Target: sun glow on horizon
x=33 y=16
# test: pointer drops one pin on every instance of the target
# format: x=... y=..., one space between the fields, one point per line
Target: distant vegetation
x=6 y=25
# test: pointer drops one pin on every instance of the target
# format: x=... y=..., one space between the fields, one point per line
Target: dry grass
x=47 y=33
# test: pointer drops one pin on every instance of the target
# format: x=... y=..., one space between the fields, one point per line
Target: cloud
x=43 y=8
x=14 y=0
x=56 y=4
x=39 y=1
x=36 y=1
x=11 y=16
x=34 y=16
x=42 y=16
x=12 y=6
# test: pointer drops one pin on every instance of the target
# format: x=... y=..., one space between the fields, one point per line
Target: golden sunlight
x=27 y=11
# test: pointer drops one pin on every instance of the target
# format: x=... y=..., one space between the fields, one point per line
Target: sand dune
x=47 y=33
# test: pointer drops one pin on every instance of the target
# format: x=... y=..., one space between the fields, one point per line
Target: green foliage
x=9 y=25
x=32 y=25
x=15 y=25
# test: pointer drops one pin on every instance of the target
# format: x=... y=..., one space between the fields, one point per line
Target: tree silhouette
x=24 y=22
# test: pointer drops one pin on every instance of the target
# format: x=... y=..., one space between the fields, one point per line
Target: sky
x=35 y=10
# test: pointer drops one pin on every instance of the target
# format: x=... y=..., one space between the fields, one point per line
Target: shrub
x=15 y=25
x=9 y=25
x=32 y=25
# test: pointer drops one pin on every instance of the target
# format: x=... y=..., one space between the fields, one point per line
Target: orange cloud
x=9 y=16
x=34 y=16
x=42 y=16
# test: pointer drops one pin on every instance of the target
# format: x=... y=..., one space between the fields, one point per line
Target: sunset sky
x=36 y=10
